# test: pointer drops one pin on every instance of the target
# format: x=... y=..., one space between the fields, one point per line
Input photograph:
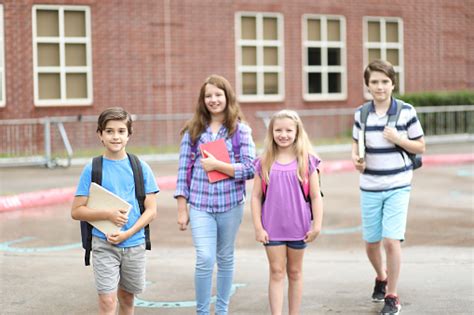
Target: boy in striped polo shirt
x=385 y=180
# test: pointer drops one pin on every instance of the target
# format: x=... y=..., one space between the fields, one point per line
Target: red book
x=219 y=150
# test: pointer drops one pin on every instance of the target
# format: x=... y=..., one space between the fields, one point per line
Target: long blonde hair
x=233 y=114
x=302 y=146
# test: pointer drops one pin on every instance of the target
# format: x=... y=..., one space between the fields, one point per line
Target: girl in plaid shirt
x=215 y=209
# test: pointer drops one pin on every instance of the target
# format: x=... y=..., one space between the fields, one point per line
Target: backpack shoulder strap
x=364 y=113
x=392 y=119
x=236 y=144
x=140 y=191
x=96 y=176
x=192 y=160
x=86 y=227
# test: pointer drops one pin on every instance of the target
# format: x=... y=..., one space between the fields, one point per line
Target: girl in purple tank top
x=282 y=216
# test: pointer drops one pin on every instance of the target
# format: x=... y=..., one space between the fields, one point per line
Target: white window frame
x=62 y=69
x=383 y=46
x=3 y=95
x=324 y=68
x=260 y=68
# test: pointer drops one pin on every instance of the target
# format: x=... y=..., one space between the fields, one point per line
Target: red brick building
x=77 y=57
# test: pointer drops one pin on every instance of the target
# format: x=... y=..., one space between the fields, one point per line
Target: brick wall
x=152 y=56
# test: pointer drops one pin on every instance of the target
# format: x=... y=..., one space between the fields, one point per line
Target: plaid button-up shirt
x=223 y=195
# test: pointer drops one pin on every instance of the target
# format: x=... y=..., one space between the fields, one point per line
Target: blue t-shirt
x=117 y=177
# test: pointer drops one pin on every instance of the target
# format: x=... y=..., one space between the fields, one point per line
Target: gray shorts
x=115 y=266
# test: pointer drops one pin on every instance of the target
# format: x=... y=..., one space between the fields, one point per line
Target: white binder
x=102 y=199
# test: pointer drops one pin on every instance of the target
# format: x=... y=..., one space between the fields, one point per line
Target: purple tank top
x=285 y=213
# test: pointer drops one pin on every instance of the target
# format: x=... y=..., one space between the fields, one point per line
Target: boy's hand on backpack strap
x=118 y=217
x=391 y=134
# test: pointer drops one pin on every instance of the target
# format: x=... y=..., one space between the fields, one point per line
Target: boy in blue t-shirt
x=385 y=180
x=118 y=259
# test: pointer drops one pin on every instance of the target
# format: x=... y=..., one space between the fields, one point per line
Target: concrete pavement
x=42 y=272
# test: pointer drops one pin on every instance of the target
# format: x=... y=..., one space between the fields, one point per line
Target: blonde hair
x=233 y=114
x=302 y=146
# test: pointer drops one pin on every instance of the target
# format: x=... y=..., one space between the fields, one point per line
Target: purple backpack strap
x=192 y=160
x=236 y=144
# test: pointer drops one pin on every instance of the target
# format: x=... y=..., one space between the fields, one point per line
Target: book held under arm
x=102 y=199
x=218 y=149
x=361 y=144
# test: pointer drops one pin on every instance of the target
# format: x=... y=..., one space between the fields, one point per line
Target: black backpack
x=86 y=228
x=391 y=122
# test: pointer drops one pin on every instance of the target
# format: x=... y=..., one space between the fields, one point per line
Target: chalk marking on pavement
x=5 y=246
x=152 y=304
x=465 y=173
x=342 y=230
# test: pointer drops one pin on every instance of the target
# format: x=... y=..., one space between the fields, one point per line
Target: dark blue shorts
x=290 y=244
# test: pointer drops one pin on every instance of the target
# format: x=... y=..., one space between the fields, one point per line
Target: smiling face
x=284 y=132
x=115 y=137
x=215 y=100
x=380 y=87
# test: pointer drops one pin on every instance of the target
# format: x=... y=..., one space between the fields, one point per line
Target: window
x=62 y=55
x=259 y=53
x=383 y=39
x=2 y=61
x=324 y=58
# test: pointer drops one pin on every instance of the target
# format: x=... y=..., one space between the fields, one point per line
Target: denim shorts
x=291 y=244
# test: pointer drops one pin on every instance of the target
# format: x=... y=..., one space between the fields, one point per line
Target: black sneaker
x=379 y=291
x=392 y=306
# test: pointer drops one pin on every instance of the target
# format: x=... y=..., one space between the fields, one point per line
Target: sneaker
x=379 y=291
x=392 y=306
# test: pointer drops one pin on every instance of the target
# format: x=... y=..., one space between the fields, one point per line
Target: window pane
x=47 y=23
x=270 y=30
x=48 y=55
x=249 y=27
x=334 y=56
x=249 y=56
x=314 y=30
x=271 y=83
x=392 y=56
x=74 y=23
x=76 y=85
x=48 y=86
x=314 y=56
x=334 y=30
x=76 y=55
x=249 y=83
x=334 y=83
x=374 y=54
x=392 y=32
x=314 y=83
x=270 y=56
x=374 y=31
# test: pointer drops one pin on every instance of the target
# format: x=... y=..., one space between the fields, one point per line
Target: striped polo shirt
x=387 y=167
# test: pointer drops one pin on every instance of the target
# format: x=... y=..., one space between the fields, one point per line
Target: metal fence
x=439 y=122
x=51 y=141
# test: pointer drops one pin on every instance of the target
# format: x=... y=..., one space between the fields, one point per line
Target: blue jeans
x=214 y=237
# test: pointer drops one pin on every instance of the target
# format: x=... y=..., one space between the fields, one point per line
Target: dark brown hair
x=233 y=114
x=381 y=66
x=114 y=113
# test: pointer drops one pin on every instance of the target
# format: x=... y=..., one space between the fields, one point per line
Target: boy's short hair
x=114 y=113
x=380 y=66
